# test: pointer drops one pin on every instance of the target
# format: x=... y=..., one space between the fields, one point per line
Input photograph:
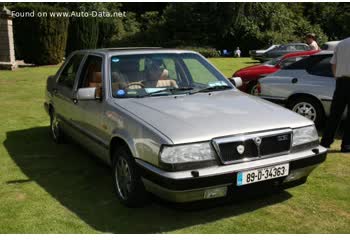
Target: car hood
x=203 y=116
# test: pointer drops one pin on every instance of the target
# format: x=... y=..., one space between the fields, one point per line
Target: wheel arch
x=295 y=96
x=116 y=142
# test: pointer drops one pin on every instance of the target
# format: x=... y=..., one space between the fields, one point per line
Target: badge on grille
x=240 y=149
x=257 y=141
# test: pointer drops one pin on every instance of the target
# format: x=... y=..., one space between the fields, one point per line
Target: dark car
x=284 y=49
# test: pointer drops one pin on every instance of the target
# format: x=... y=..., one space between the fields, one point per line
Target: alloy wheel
x=306 y=109
x=123 y=177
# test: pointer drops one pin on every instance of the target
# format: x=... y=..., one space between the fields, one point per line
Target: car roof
x=332 y=42
x=294 y=44
x=134 y=50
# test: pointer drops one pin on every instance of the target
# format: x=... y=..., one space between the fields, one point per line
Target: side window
x=299 y=47
x=322 y=68
x=91 y=75
x=69 y=72
x=291 y=48
x=282 y=48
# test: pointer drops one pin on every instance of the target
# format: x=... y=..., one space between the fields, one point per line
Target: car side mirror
x=237 y=81
x=91 y=93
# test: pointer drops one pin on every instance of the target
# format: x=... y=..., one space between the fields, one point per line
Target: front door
x=90 y=112
x=63 y=95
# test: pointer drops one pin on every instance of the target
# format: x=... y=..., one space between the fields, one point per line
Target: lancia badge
x=240 y=149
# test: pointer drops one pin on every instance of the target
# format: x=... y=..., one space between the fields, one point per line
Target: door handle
x=294 y=80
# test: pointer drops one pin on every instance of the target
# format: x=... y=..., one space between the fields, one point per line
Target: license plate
x=262 y=174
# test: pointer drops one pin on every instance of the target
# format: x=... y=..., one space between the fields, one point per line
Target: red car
x=250 y=75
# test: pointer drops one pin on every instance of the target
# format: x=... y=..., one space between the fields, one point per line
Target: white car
x=256 y=54
x=330 y=46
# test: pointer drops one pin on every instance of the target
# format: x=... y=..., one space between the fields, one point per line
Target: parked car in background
x=306 y=87
x=255 y=54
x=168 y=122
x=330 y=46
x=284 y=49
x=251 y=74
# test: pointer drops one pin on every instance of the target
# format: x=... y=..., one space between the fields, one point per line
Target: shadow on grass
x=83 y=185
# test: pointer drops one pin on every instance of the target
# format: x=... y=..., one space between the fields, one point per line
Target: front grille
x=275 y=144
x=255 y=146
x=229 y=150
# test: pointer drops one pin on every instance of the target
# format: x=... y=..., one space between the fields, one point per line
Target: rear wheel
x=309 y=108
x=55 y=128
x=127 y=181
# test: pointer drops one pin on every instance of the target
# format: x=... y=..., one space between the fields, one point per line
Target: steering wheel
x=136 y=84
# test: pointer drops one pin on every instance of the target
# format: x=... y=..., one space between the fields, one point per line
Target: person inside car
x=157 y=76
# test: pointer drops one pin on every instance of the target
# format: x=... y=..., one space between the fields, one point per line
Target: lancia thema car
x=169 y=123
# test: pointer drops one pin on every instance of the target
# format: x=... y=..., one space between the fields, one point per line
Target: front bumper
x=219 y=181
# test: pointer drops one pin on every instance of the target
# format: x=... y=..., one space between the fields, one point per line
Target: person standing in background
x=341 y=98
x=311 y=41
x=237 y=52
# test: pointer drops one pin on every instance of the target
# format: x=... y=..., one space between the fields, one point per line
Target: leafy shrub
x=39 y=40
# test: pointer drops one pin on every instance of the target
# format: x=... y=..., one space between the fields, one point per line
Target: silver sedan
x=168 y=122
x=306 y=87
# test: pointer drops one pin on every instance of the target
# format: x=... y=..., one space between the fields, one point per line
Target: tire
x=309 y=108
x=55 y=129
x=127 y=182
x=252 y=88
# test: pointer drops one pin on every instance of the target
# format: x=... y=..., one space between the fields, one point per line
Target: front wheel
x=127 y=182
x=309 y=108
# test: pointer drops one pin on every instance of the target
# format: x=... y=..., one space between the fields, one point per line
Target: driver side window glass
x=69 y=72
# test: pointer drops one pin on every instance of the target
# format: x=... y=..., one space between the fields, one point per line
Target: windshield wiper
x=213 y=88
x=172 y=90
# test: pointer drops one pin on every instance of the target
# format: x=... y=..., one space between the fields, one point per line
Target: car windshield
x=273 y=61
x=146 y=75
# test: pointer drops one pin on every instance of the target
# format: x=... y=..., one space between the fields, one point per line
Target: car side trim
x=82 y=131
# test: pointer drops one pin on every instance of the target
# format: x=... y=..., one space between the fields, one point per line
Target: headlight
x=189 y=153
x=304 y=135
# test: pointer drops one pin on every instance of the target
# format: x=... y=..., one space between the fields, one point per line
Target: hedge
x=82 y=34
x=40 y=40
x=207 y=52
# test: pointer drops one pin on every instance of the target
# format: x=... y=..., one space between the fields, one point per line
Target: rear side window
x=69 y=72
x=321 y=68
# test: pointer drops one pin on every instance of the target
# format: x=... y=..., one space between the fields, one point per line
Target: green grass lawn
x=49 y=188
